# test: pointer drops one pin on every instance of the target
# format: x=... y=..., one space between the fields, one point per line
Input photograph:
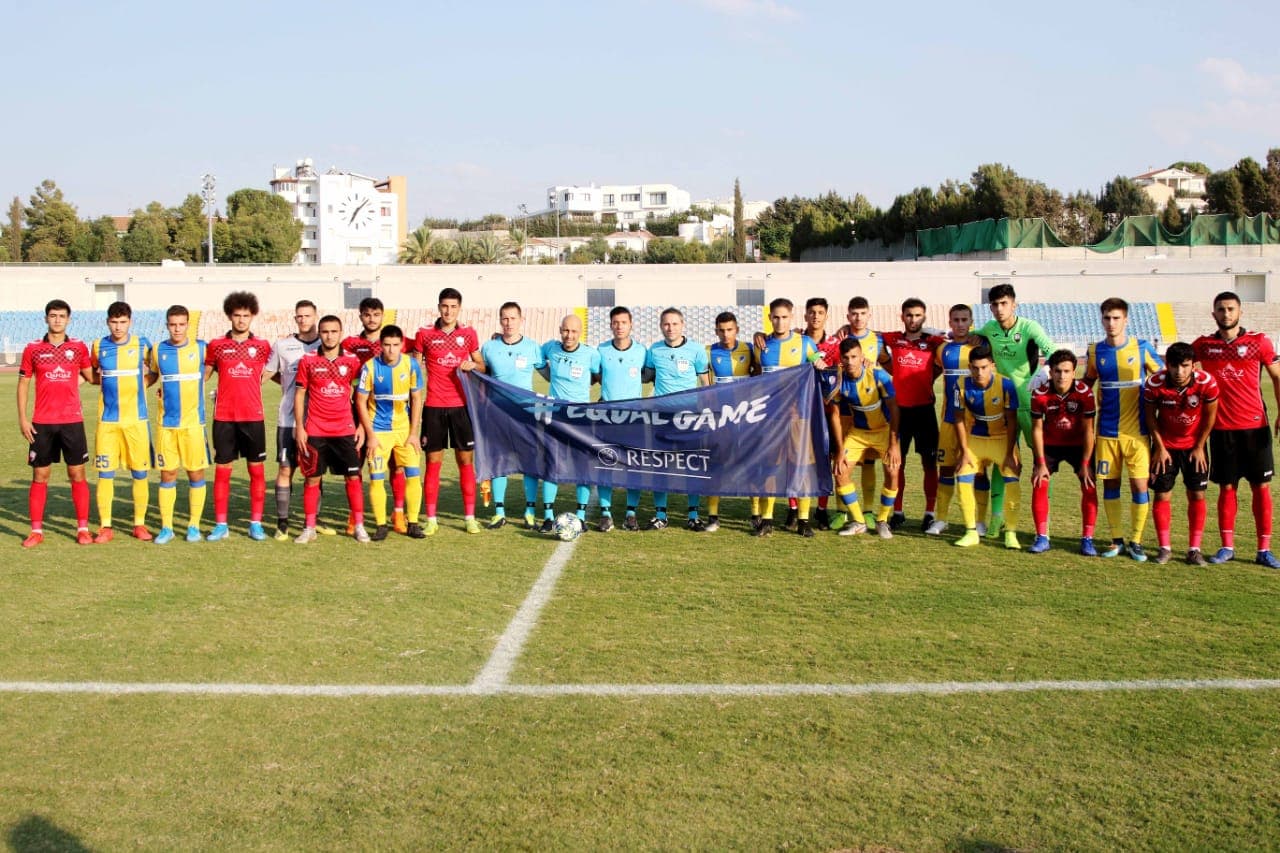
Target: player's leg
x=224 y=454
x=946 y=459
x=498 y=488
x=286 y=461
x=252 y=440
x=309 y=463
x=582 y=494
x=434 y=440
x=549 y=492
x=1137 y=459
x=399 y=495
x=40 y=456
x=1107 y=465
x=966 y=474
x=906 y=437
x=659 y=520
x=194 y=452
x=464 y=442
x=713 y=514
x=377 y=462
x=408 y=459
x=355 y=499
x=530 y=501
x=75 y=452
x=927 y=447
x=1011 y=476
x=107 y=450
x=196 y=492
x=1161 y=490
x=1258 y=462
x=854 y=448
x=1040 y=505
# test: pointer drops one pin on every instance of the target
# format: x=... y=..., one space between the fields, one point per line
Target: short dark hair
x=391 y=331
x=850 y=343
x=119 y=309
x=858 y=302
x=1179 y=353
x=726 y=317
x=330 y=318
x=176 y=311
x=675 y=311
x=816 y=301
x=619 y=310
x=982 y=352
x=1226 y=296
x=450 y=293
x=1000 y=291
x=960 y=306
x=1114 y=303
x=304 y=303
x=1058 y=357
x=913 y=302
x=515 y=305
x=57 y=305
x=781 y=302
x=239 y=300
x=371 y=303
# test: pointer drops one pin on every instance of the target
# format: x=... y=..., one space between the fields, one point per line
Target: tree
x=1080 y=223
x=466 y=250
x=516 y=242
x=662 y=250
x=1253 y=186
x=1273 y=182
x=147 y=241
x=721 y=250
x=106 y=245
x=1224 y=194
x=489 y=250
x=624 y=255
x=13 y=230
x=188 y=230
x=1122 y=197
x=416 y=248
x=445 y=252
x=52 y=225
x=1171 y=218
x=1192 y=166
x=261 y=229
x=739 y=230
x=691 y=252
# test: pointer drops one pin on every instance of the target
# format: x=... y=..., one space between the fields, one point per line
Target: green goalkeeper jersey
x=1018 y=351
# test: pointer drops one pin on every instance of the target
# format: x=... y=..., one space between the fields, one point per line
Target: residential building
x=347 y=218
x=636 y=241
x=1185 y=187
x=751 y=210
x=624 y=204
x=706 y=232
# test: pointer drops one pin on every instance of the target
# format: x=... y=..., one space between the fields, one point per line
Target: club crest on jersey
x=342 y=370
x=70 y=355
x=1243 y=349
x=1193 y=400
x=1017 y=337
x=253 y=351
x=459 y=340
x=1073 y=406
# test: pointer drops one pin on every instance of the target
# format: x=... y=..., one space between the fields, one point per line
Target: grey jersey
x=285 y=356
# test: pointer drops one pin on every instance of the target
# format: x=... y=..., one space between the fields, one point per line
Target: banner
x=765 y=436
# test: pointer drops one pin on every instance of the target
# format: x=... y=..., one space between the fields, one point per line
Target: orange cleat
x=398 y=523
x=105 y=535
x=141 y=533
x=351 y=524
x=83 y=537
x=33 y=540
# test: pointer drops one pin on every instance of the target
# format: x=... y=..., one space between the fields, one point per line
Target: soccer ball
x=568 y=526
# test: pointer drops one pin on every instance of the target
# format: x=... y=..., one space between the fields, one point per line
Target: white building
x=1186 y=188
x=347 y=218
x=751 y=210
x=636 y=241
x=626 y=203
x=706 y=232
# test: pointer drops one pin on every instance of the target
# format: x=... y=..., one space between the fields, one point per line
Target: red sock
x=432 y=488
x=930 y=487
x=311 y=503
x=902 y=488
x=257 y=490
x=467 y=480
x=822 y=502
x=1163 y=513
x=1088 y=511
x=221 y=493
x=792 y=503
x=1227 y=516
x=1040 y=507
x=36 y=499
x=80 y=500
x=1196 y=512
x=397 y=489
x=355 y=499
x=1262 y=514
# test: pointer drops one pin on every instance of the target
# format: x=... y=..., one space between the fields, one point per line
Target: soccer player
x=239 y=359
x=443 y=346
x=952 y=358
x=912 y=356
x=282 y=368
x=1062 y=430
x=987 y=434
x=864 y=423
x=325 y=430
x=512 y=358
x=1017 y=345
x=1119 y=365
x=1181 y=406
x=622 y=377
x=678 y=364
x=571 y=367
x=55 y=431
x=389 y=403
x=730 y=360
x=1240 y=443
x=178 y=364
x=785 y=349
x=815 y=328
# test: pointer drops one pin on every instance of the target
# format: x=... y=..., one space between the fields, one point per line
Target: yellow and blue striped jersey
x=792 y=351
x=122 y=366
x=386 y=389
x=953 y=358
x=181 y=372
x=728 y=365
x=1120 y=371
x=861 y=400
x=984 y=408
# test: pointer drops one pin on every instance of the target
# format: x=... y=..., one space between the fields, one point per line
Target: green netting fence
x=994 y=235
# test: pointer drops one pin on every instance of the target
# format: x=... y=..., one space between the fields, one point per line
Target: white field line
x=907 y=688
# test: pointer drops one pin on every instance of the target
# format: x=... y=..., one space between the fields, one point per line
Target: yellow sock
x=1012 y=498
x=713 y=505
x=868 y=479
x=1138 y=513
x=968 y=496
x=106 y=494
x=1112 y=507
x=767 y=509
x=141 y=499
x=981 y=502
x=168 y=500
x=413 y=498
x=755 y=506
x=945 y=493
x=802 y=508
x=849 y=497
x=885 y=509
x=378 y=497
x=196 y=495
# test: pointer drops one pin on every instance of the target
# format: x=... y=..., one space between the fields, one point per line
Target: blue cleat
x=256 y=533
x=1117 y=545
x=165 y=536
x=1266 y=558
x=1086 y=547
x=1224 y=555
x=193 y=534
x=1040 y=545
x=1136 y=553
x=218 y=533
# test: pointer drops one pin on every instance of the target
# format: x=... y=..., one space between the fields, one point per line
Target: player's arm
x=1160 y=458
x=962 y=437
x=839 y=464
x=1086 y=453
x=24 y=424
x=1273 y=370
x=1208 y=417
x=415 y=419
x=1091 y=370
x=1041 y=469
x=476 y=362
x=299 y=407
x=893 y=459
x=366 y=421
x=1012 y=459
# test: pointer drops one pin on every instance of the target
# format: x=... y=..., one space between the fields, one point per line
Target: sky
x=482 y=106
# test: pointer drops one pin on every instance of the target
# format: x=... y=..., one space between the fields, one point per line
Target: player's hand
x=967 y=459
x=467 y=366
x=893 y=459
x=360 y=437
x=1277 y=425
x=840 y=466
x=300 y=439
x=28 y=431
x=760 y=340
x=1040 y=472
x=1198 y=459
x=1014 y=462
x=370 y=446
x=1087 y=480
x=1161 y=461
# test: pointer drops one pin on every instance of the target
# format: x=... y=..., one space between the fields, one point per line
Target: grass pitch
x=1145 y=769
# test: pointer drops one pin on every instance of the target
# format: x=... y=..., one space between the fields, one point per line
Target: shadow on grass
x=35 y=834
x=980 y=845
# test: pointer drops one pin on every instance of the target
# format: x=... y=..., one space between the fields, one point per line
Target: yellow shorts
x=948 y=447
x=862 y=444
x=391 y=445
x=182 y=447
x=128 y=445
x=986 y=451
x=1133 y=452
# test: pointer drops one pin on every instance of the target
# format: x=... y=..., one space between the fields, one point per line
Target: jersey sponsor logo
x=58 y=374
x=331 y=389
x=240 y=370
x=1232 y=373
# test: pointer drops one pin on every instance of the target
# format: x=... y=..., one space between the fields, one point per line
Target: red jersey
x=442 y=352
x=239 y=366
x=912 y=366
x=1237 y=366
x=362 y=348
x=1179 y=410
x=56 y=371
x=1066 y=416
x=329 y=384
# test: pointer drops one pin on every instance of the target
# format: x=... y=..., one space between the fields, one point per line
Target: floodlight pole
x=208 y=192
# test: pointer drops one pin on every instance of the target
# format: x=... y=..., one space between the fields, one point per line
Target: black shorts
x=1056 y=455
x=330 y=455
x=286 y=447
x=918 y=424
x=56 y=442
x=1180 y=462
x=233 y=440
x=447 y=427
x=1236 y=453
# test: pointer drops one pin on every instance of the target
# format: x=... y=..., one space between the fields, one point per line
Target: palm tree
x=445 y=252
x=489 y=250
x=416 y=248
x=516 y=241
x=466 y=250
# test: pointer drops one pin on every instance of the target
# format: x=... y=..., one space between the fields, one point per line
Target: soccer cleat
x=1040 y=545
x=165 y=536
x=530 y=521
x=981 y=528
x=821 y=519
x=884 y=529
x=765 y=528
x=414 y=531
x=755 y=522
x=307 y=536
x=1224 y=555
x=793 y=520
x=84 y=537
x=398 y=523
x=360 y=534
x=548 y=526
x=380 y=533
x=1266 y=558
x=219 y=532
x=656 y=523
x=431 y=528
x=631 y=524
x=33 y=540
x=970 y=539
x=605 y=524
x=141 y=533
x=497 y=522
x=927 y=521
x=325 y=530
x=1135 y=552
x=804 y=529
x=897 y=520
x=695 y=525
x=1011 y=541
x=1086 y=547
x=256 y=533
x=193 y=534
x=712 y=525
x=1164 y=555
x=996 y=526
x=1195 y=558
x=937 y=528
x=281 y=535
x=1117 y=545
x=351 y=524
x=853 y=528
x=105 y=535
x=473 y=526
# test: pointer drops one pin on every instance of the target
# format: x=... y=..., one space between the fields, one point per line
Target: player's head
x=960 y=320
x=330 y=326
x=859 y=314
x=176 y=320
x=450 y=305
x=815 y=313
x=851 y=356
x=371 y=311
x=119 y=318
x=570 y=331
x=241 y=307
x=1115 y=316
x=57 y=313
x=392 y=339
x=1003 y=303
x=1226 y=310
x=981 y=365
x=727 y=329
x=913 y=312
x=620 y=323
x=780 y=316
x=304 y=314
x=1180 y=363
x=510 y=319
x=672 y=324
x=1062 y=370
